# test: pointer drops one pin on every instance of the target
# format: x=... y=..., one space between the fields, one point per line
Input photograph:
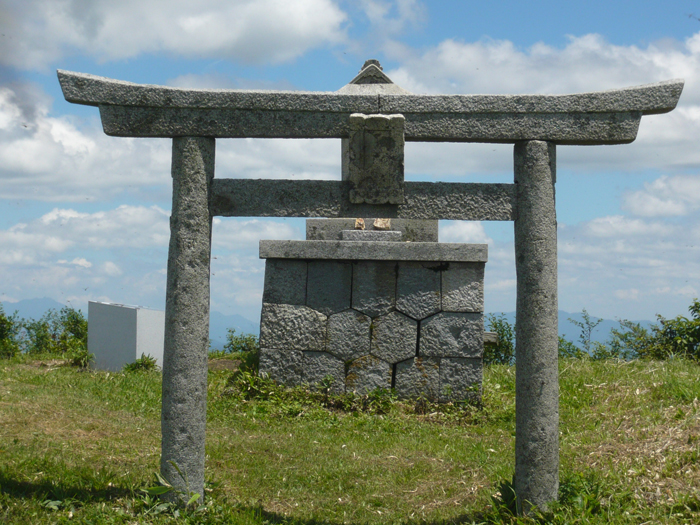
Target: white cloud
x=111 y=269
x=618 y=226
x=229 y=234
x=38 y=32
x=463 y=231
x=392 y=17
x=587 y=63
x=665 y=197
x=51 y=158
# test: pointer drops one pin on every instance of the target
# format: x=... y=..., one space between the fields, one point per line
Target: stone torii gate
x=535 y=124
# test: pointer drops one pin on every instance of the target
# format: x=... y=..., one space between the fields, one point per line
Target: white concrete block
x=119 y=334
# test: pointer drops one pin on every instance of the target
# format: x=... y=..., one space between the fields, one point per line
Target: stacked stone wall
x=413 y=326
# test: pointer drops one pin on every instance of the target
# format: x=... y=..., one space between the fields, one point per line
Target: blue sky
x=84 y=216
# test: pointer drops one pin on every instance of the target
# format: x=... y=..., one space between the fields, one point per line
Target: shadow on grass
x=51 y=489
x=273 y=518
x=81 y=490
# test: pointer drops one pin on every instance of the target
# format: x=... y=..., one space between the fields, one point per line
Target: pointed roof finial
x=372 y=80
x=372 y=62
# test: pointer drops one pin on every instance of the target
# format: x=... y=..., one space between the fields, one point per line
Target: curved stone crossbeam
x=136 y=110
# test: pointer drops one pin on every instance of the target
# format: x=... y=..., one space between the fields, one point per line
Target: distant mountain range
x=570 y=331
x=219 y=324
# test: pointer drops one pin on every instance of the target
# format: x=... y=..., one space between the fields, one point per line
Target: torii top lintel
x=138 y=110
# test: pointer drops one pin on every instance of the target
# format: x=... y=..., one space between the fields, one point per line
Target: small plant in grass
x=145 y=363
x=77 y=353
x=188 y=497
x=586 y=326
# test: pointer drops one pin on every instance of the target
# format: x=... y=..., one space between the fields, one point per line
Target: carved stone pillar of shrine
x=184 y=411
x=536 y=479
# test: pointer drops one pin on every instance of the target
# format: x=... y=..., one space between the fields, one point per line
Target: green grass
x=82 y=447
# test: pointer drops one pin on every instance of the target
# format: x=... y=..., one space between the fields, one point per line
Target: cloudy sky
x=84 y=216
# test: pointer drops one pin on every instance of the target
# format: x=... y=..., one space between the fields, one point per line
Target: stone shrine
x=370 y=310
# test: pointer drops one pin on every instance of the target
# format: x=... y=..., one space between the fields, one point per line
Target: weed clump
x=145 y=363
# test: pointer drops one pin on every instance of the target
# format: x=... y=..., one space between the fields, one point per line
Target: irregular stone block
x=460 y=379
x=394 y=337
x=416 y=377
x=316 y=366
x=370 y=235
x=292 y=327
x=450 y=334
x=328 y=286
x=348 y=334
x=463 y=287
x=281 y=365
x=368 y=373
x=285 y=281
x=375 y=159
x=418 y=289
x=374 y=287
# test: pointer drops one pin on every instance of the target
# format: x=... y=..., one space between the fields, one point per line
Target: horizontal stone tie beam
x=327 y=198
x=134 y=110
x=561 y=128
x=374 y=251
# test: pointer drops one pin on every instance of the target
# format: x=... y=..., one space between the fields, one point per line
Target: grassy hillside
x=82 y=446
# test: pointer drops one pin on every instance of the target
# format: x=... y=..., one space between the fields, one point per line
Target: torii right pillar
x=536 y=479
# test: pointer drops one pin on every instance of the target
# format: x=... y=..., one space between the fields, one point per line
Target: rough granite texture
x=418 y=377
x=282 y=364
x=418 y=289
x=186 y=346
x=374 y=287
x=562 y=128
x=92 y=90
x=394 y=337
x=285 y=281
x=536 y=479
x=329 y=198
x=460 y=379
x=368 y=373
x=316 y=366
x=450 y=334
x=292 y=327
x=375 y=159
x=370 y=235
x=389 y=298
x=463 y=288
x=373 y=251
x=155 y=111
x=328 y=286
x=410 y=230
x=348 y=334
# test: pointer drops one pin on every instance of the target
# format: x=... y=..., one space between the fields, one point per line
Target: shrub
x=240 y=343
x=677 y=337
x=568 y=349
x=502 y=352
x=55 y=332
x=9 y=331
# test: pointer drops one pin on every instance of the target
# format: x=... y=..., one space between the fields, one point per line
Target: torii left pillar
x=184 y=412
